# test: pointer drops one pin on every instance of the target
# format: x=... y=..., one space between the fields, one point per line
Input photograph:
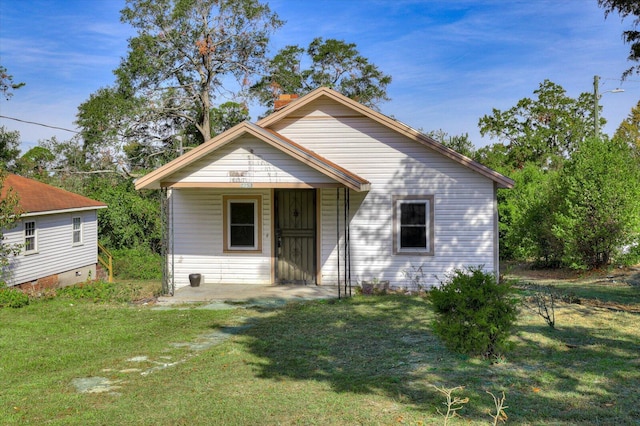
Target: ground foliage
x=474 y=313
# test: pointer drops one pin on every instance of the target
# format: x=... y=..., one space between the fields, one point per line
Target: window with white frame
x=77 y=230
x=413 y=225
x=242 y=224
x=30 y=237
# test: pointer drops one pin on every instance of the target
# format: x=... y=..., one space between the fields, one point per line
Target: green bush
x=95 y=291
x=101 y=292
x=12 y=297
x=474 y=313
x=137 y=264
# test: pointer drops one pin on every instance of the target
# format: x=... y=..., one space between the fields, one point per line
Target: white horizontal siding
x=198 y=239
x=249 y=160
x=464 y=203
x=396 y=165
x=325 y=108
x=56 y=252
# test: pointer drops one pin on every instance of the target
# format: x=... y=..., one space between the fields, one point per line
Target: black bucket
x=194 y=279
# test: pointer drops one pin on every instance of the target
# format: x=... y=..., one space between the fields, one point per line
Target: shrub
x=474 y=313
x=95 y=291
x=12 y=297
x=137 y=264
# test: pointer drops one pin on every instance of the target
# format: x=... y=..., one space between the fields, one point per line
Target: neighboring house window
x=413 y=225
x=242 y=223
x=30 y=237
x=77 y=230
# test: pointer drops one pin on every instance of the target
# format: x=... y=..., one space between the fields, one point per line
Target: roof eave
x=71 y=210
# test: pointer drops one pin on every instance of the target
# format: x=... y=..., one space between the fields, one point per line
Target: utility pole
x=596 y=107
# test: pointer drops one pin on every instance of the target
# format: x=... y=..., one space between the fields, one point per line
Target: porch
x=209 y=292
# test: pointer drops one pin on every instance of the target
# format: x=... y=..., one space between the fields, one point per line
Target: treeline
x=576 y=201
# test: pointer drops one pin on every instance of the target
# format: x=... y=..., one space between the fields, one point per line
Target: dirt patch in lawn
x=616 y=289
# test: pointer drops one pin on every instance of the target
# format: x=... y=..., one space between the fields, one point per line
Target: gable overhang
x=289 y=110
x=61 y=211
x=162 y=177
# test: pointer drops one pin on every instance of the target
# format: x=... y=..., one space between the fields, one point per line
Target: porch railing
x=106 y=260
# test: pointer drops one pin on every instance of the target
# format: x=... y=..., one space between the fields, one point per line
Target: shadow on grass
x=385 y=346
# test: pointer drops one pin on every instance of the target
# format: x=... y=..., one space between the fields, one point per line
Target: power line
x=39 y=124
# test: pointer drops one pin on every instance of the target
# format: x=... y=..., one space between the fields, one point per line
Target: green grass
x=366 y=360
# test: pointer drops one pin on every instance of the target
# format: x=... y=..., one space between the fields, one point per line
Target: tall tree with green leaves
x=543 y=130
x=459 y=143
x=9 y=147
x=186 y=53
x=9 y=216
x=599 y=212
x=629 y=129
x=331 y=63
x=627 y=8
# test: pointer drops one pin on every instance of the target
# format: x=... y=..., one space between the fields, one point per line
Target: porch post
x=338 y=235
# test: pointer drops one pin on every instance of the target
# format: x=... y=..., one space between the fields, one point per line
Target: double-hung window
x=242 y=223
x=413 y=225
x=77 y=230
x=30 y=237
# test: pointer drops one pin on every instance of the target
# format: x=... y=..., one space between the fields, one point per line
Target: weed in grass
x=500 y=415
x=12 y=297
x=453 y=403
x=543 y=302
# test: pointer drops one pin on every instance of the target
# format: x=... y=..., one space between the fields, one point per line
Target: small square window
x=413 y=225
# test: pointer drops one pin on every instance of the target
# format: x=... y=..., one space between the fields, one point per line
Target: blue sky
x=452 y=61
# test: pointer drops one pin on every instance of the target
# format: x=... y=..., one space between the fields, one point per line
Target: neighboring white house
x=57 y=232
x=267 y=203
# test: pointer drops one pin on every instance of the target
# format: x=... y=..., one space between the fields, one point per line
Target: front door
x=295 y=225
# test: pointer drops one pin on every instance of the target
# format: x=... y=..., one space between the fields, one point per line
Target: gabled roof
x=288 y=110
x=160 y=176
x=39 y=198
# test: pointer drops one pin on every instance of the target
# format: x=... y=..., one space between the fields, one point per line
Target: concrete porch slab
x=243 y=292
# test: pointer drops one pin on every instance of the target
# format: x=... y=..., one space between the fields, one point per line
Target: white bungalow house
x=57 y=234
x=326 y=191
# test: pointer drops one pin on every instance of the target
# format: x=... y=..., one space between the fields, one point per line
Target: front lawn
x=366 y=360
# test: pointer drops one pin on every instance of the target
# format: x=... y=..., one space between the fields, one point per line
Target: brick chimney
x=283 y=100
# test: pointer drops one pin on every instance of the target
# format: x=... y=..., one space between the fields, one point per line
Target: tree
x=459 y=143
x=599 y=189
x=107 y=120
x=9 y=216
x=226 y=116
x=333 y=63
x=132 y=219
x=186 y=51
x=629 y=129
x=544 y=130
x=35 y=163
x=9 y=147
x=627 y=8
x=530 y=208
x=6 y=83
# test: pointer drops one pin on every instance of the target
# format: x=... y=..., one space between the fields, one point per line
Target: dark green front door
x=295 y=225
